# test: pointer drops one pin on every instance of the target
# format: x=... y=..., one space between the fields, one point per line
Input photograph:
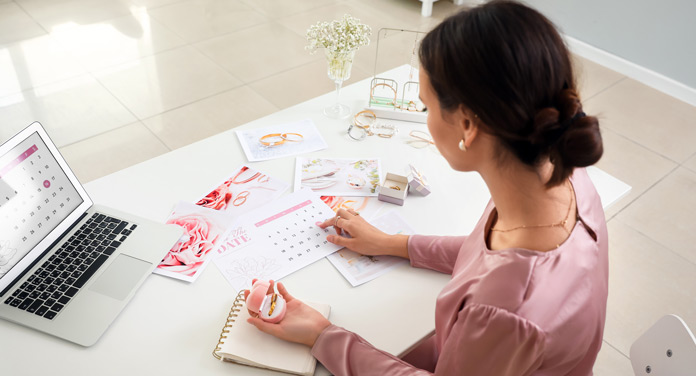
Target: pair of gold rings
x=275 y=139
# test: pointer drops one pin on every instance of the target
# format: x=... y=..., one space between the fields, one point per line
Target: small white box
x=417 y=182
x=394 y=189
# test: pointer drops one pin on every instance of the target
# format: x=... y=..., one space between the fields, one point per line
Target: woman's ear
x=469 y=126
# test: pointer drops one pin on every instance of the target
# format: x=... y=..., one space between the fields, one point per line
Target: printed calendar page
x=35 y=196
x=282 y=237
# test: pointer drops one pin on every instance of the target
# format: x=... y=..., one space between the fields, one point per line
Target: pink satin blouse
x=505 y=312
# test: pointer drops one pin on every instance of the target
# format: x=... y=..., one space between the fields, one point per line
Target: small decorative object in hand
x=339 y=39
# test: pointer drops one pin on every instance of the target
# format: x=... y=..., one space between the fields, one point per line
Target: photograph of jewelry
x=275 y=139
x=319 y=183
x=281 y=140
x=344 y=176
x=355 y=182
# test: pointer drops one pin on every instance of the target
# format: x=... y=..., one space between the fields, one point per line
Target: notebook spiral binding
x=231 y=317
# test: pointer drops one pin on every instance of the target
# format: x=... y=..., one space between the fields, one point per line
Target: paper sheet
x=281 y=140
x=283 y=238
x=368 y=207
x=358 y=269
x=338 y=176
x=246 y=189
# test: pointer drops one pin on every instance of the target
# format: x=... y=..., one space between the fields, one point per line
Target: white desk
x=171 y=327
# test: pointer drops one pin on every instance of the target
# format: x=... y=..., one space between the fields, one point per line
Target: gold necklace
x=559 y=224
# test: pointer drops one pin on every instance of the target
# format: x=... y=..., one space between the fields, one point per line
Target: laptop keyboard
x=61 y=276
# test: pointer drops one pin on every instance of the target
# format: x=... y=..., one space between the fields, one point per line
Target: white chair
x=667 y=348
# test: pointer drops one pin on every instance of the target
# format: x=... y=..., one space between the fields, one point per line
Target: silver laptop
x=67 y=267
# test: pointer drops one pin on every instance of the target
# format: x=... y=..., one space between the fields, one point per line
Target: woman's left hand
x=301 y=324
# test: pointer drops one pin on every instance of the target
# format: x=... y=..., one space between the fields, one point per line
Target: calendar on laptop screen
x=35 y=196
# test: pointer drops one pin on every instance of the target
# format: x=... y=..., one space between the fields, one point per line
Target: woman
x=529 y=284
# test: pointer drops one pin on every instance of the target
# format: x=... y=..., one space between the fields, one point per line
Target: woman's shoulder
x=589 y=204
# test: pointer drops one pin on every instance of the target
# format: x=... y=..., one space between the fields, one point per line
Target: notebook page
x=246 y=344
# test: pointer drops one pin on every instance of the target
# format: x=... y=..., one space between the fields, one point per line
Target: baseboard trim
x=651 y=78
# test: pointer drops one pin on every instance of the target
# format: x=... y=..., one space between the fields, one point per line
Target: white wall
x=659 y=35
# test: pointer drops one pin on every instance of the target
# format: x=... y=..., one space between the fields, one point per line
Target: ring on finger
x=336 y=221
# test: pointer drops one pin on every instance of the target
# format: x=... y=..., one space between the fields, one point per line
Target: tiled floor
x=117 y=82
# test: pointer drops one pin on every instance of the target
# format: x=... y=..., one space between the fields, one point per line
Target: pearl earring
x=462 y=146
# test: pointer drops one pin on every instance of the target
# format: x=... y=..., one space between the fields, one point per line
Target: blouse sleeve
x=438 y=253
x=485 y=340
x=488 y=340
x=346 y=353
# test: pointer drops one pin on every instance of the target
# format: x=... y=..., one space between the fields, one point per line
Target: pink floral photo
x=204 y=230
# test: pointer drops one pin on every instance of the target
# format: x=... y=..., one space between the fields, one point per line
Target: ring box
x=269 y=307
x=388 y=191
x=417 y=182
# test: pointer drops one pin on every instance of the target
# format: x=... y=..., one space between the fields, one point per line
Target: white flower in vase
x=339 y=39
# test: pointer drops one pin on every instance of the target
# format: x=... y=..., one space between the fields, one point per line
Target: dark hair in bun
x=507 y=63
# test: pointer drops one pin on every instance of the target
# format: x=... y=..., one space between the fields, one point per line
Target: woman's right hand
x=364 y=238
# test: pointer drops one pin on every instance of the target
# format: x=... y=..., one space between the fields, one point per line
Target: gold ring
x=395 y=187
x=273 y=303
x=284 y=136
x=272 y=143
x=336 y=221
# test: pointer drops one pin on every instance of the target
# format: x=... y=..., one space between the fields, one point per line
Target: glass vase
x=340 y=64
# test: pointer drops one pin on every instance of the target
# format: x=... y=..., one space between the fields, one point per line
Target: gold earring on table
x=462 y=146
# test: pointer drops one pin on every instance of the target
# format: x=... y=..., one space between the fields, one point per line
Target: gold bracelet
x=368 y=114
x=272 y=143
x=284 y=136
x=372 y=92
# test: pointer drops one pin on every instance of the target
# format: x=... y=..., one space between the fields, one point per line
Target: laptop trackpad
x=121 y=277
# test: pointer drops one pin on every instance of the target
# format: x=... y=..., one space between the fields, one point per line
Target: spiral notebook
x=240 y=342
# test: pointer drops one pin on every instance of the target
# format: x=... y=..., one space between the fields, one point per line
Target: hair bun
x=581 y=143
x=571 y=138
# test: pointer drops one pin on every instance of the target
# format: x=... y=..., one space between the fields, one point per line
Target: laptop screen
x=36 y=195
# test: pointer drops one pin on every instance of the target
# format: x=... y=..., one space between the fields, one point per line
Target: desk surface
x=171 y=327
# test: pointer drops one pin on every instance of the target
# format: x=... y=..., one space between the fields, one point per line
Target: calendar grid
x=35 y=196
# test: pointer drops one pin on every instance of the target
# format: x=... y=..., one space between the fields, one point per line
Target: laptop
x=67 y=267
